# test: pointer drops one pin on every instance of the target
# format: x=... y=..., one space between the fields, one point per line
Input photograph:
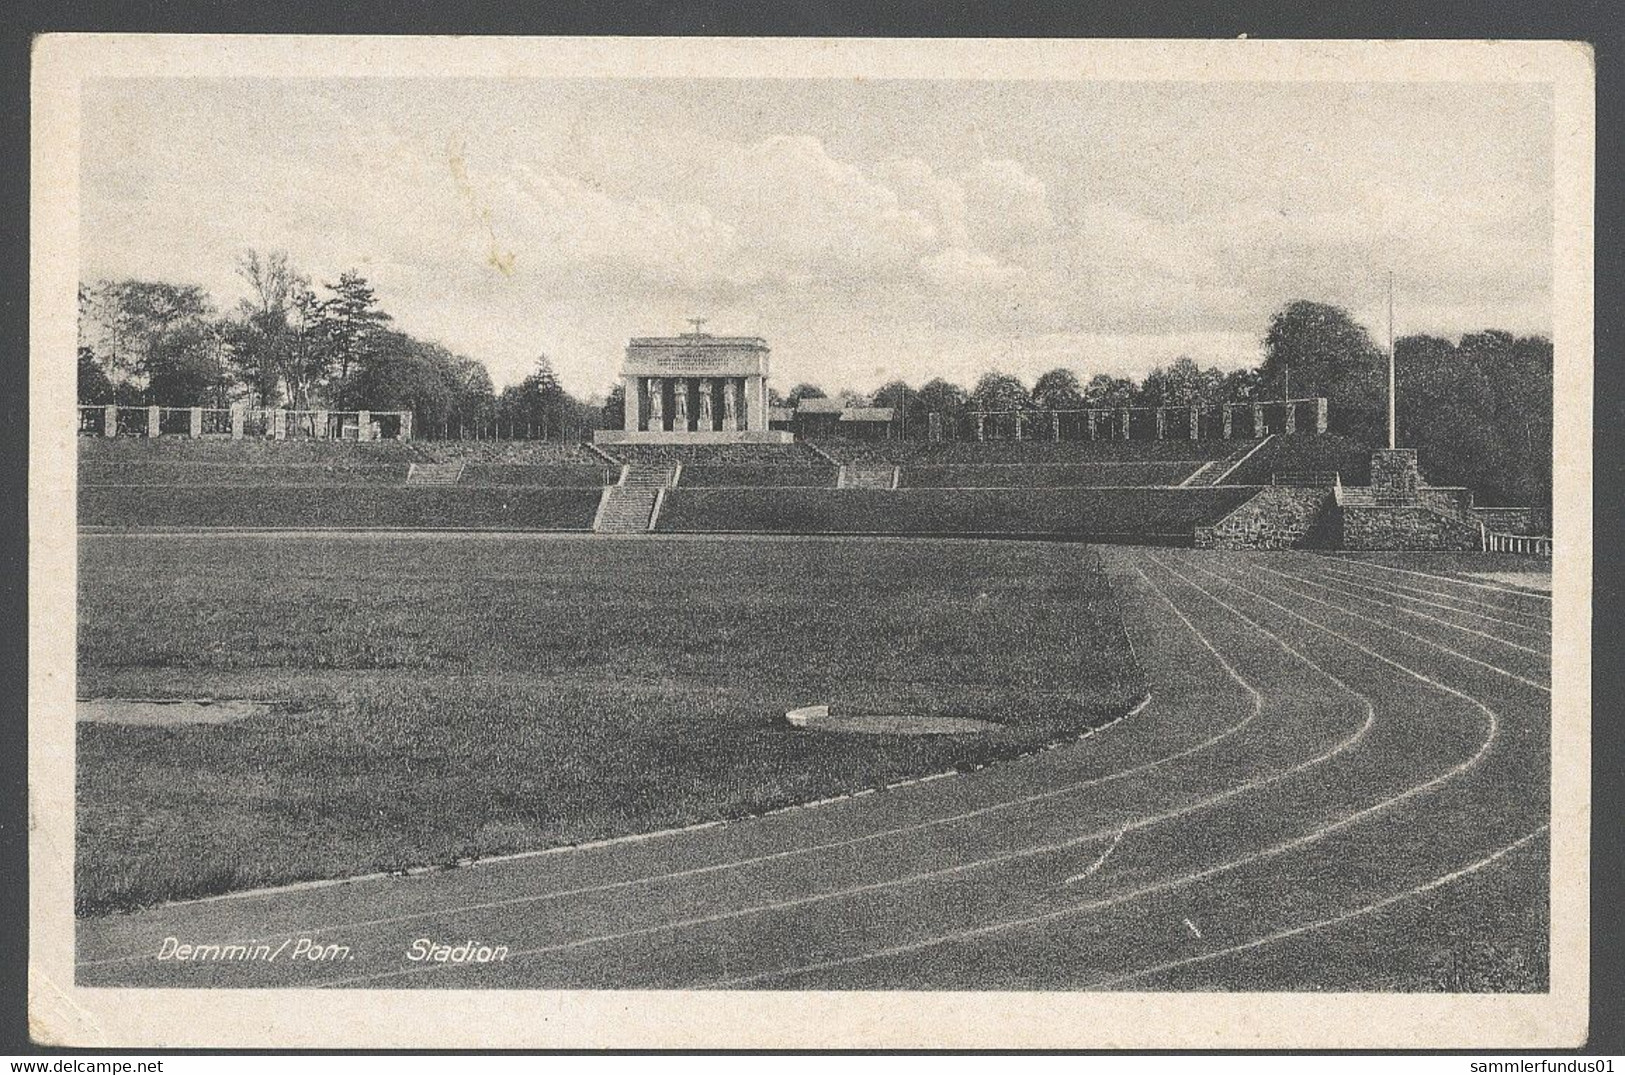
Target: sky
x=868 y=230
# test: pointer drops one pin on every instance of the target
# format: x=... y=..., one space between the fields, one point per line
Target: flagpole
x=1391 y=439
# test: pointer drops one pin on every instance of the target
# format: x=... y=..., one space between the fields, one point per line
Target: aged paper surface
x=64 y=1012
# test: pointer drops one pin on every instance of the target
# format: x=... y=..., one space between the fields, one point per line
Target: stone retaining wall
x=1509 y=520
x=1408 y=526
x=1278 y=517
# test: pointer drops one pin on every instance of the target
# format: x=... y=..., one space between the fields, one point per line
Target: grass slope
x=1166 y=513
x=535 y=508
x=456 y=697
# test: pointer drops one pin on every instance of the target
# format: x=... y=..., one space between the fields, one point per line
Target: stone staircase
x=629 y=506
x=864 y=476
x=434 y=473
x=1213 y=473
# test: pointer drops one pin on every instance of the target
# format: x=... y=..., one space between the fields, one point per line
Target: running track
x=1341 y=782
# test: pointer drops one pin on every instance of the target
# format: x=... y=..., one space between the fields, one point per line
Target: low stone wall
x=1278 y=517
x=1509 y=520
x=1446 y=498
x=1409 y=526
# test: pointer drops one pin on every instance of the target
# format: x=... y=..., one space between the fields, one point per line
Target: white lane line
x=1099 y=862
x=731 y=864
x=1420 y=615
x=1325 y=923
x=1541 y=617
x=1406 y=593
x=1444 y=578
x=1408 y=634
x=977 y=932
x=930 y=875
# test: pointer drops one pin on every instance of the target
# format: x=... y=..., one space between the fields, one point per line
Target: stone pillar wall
x=1228 y=419
x=1196 y=423
x=1055 y=426
x=706 y=418
x=1320 y=414
x=1393 y=474
x=1122 y=430
x=197 y=422
x=363 y=425
x=239 y=418
x=981 y=427
x=1019 y=423
x=1258 y=419
x=319 y=428
x=632 y=402
x=406 y=425
x=152 y=421
x=1291 y=418
x=1162 y=423
x=933 y=427
x=1092 y=429
x=110 y=421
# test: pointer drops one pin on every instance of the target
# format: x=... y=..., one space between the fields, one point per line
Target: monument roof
x=701 y=339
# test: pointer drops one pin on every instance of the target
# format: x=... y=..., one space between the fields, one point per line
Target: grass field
x=464 y=696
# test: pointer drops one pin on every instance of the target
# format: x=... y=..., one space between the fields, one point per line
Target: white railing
x=1521 y=544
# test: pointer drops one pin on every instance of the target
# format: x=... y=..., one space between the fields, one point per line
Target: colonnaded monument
x=695 y=389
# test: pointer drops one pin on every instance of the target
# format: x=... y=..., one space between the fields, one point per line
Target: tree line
x=291 y=344
x=1479 y=410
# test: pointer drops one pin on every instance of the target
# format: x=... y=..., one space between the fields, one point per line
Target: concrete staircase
x=630 y=506
x=863 y=476
x=1215 y=473
x=434 y=473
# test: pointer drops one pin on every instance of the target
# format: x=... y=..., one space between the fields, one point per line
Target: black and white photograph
x=767 y=534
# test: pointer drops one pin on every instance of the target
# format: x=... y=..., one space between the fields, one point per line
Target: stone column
x=755 y=403
x=730 y=405
x=1196 y=423
x=933 y=427
x=1091 y=425
x=657 y=405
x=1258 y=419
x=1291 y=418
x=197 y=422
x=318 y=428
x=1019 y=417
x=679 y=405
x=279 y=426
x=706 y=418
x=110 y=421
x=239 y=418
x=363 y=425
x=1228 y=418
x=406 y=425
x=1162 y=423
x=1122 y=414
x=152 y=421
x=981 y=427
x=1055 y=426
x=631 y=402
x=1320 y=414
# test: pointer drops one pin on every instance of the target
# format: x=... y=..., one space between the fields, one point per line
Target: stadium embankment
x=1129 y=514
x=337 y=506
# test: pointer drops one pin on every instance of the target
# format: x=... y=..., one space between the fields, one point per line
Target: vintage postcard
x=705 y=543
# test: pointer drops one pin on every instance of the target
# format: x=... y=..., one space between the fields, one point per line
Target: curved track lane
x=1331 y=754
